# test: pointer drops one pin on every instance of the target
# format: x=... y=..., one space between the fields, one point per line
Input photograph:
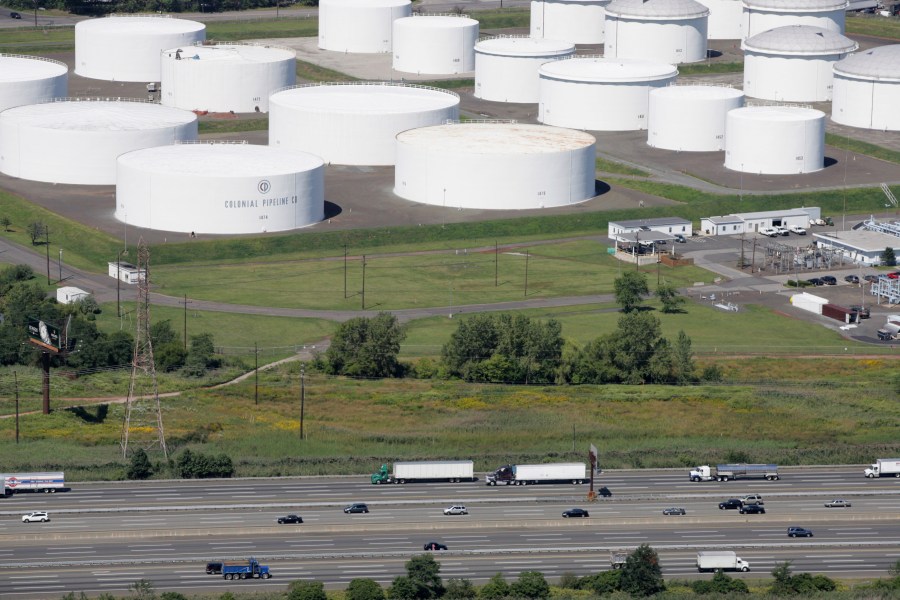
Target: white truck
x=433 y=470
x=736 y=471
x=884 y=467
x=33 y=482
x=574 y=473
x=725 y=560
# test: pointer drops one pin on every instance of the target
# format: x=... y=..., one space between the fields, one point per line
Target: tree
x=630 y=290
x=364 y=347
x=473 y=341
x=782 y=576
x=364 y=589
x=888 y=258
x=140 y=467
x=402 y=589
x=37 y=231
x=305 y=589
x=669 y=297
x=458 y=589
x=423 y=572
x=201 y=356
x=603 y=583
x=641 y=573
x=5 y=222
x=530 y=584
x=495 y=589
x=632 y=346
x=682 y=359
x=720 y=584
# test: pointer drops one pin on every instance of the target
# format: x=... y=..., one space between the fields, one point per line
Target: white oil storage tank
x=576 y=21
x=506 y=166
x=725 y=19
x=669 y=31
x=220 y=188
x=32 y=80
x=506 y=67
x=691 y=118
x=775 y=140
x=127 y=47
x=435 y=44
x=236 y=77
x=355 y=123
x=360 y=26
x=603 y=94
x=78 y=140
x=793 y=63
x=763 y=15
x=867 y=89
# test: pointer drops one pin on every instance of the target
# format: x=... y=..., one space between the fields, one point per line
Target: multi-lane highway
x=105 y=536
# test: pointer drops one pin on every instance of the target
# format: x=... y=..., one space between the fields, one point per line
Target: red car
x=894 y=275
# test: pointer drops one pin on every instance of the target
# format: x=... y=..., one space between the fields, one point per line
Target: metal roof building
x=859 y=245
x=667 y=226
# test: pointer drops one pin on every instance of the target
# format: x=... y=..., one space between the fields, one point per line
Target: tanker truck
x=737 y=471
x=573 y=473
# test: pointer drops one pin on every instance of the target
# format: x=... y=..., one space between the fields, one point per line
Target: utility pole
x=256 y=373
x=186 y=302
x=47 y=244
x=753 y=256
x=302 y=398
x=16 y=379
x=345 y=271
x=496 y=260
x=60 y=265
x=364 y=282
x=526 y=273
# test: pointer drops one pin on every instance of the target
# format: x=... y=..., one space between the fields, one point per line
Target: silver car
x=36 y=517
x=456 y=509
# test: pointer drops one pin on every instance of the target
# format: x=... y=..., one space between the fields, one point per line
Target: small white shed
x=69 y=294
x=126 y=272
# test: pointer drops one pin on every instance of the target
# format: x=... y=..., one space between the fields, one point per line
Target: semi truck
x=33 y=482
x=738 y=471
x=884 y=467
x=723 y=560
x=245 y=569
x=573 y=473
x=435 y=470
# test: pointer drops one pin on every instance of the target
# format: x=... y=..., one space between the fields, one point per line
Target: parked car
x=828 y=280
x=38 y=516
x=752 y=499
x=456 y=509
x=680 y=238
x=769 y=231
x=730 y=504
x=894 y=275
x=434 y=546
x=575 y=513
x=15 y=15
x=870 y=278
x=862 y=311
x=213 y=568
x=356 y=508
x=799 y=532
x=752 y=509
x=675 y=510
x=851 y=279
x=837 y=503
x=288 y=519
x=797 y=229
x=884 y=335
x=815 y=281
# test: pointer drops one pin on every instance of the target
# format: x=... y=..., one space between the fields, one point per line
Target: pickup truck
x=769 y=231
x=797 y=229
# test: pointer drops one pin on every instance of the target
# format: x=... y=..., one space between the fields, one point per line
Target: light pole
x=302 y=398
x=60 y=265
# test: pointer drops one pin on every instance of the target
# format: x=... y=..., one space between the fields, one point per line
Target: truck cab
x=505 y=474
x=701 y=473
x=382 y=476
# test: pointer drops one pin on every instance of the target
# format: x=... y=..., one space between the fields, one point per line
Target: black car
x=213 y=568
x=356 y=508
x=861 y=310
x=680 y=238
x=288 y=519
x=434 y=546
x=828 y=280
x=675 y=510
x=575 y=512
x=15 y=15
x=799 y=532
x=870 y=278
x=731 y=503
x=815 y=281
x=753 y=509
x=851 y=279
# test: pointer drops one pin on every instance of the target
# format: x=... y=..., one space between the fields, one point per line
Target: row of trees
x=188 y=465
x=103 y=7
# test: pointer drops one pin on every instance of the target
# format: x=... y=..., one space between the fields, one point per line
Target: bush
x=364 y=589
x=193 y=465
x=139 y=467
x=172 y=596
x=606 y=582
x=402 y=589
x=306 y=590
x=568 y=580
x=530 y=584
x=495 y=588
x=720 y=584
x=459 y=589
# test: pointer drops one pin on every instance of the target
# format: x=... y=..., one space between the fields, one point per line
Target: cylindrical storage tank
x=435 y=44
x=78 y=140
x=506 y=68
x=725 y=19
x=225 y=77
x=690 y=118
x=763 y=15
x=127 y=48
x=355 y=123
x=576 y=21
x=775 y=140
x=361 y=26
x=793 y=63
x=220 y=188
x=603 y=94
x=867 y=89
x=506 y=166
x=32 y=80
x=669 y=31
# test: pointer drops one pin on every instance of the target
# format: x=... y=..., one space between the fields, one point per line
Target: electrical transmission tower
x=143 y=424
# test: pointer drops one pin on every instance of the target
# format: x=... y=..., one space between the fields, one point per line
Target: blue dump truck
x=247 y=569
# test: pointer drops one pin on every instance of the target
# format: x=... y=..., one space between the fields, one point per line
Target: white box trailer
x=884 y=467
x=435 y=470
x=34 y=482
x=720 y=559
x=573 y=473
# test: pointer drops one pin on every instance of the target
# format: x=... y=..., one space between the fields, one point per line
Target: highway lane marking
x=230 y=543
x=70 y=548
x=76 y=552
x=33 y=576
x=159 y=545
x=36 y=588
x=703 y=536
x=375 y=539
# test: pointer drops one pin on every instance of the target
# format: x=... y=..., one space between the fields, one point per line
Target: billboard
x=44 y=334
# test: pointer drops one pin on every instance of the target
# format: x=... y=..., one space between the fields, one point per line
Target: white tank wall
x=511 y=78
x=436 y=45
x=866 y=103
x=501 y=180
x=225 y=77
x=757 y=21
x=82 y=148
x=128 y=48
x=690 y=118
x=669 y=41
x=361 y=26
x=31 y=80
x=789 y=78
x=775 y=140
x=725 y=19
x=576 y=21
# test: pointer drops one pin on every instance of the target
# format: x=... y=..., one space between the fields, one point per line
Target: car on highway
x=15 y=15
x=37 y=516
x=434 y=546
x=828 y=280
x=288 y=519
x=358 y=507
x=731 y=503
x=456 y=509
x=752 y=509
x=213 y=568
x=851 y=278
x=799 y=532
x=752 y=499
x=575 y=513
x=674 y=510
x=837 y=503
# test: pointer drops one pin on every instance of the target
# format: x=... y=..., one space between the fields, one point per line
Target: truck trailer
x=33 y=482
x=723 y=560
x=884 y=467
x=574 y=473
x=245 y=569
x=737 y=471
x=436 y=470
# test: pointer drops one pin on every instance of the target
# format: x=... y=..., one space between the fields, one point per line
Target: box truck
x=34 y=482
x=884 y=467
x=573 y=473
x=737 y=471
x=435 y=470
x=724 y=560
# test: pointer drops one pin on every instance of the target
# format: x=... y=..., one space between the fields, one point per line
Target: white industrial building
x=127 y=47
x=859 y=245
x=667 y=31
x=690 y=118
x=603 y=94
x=220 y=188
x=506 y=67
x=355 y=123
x=725 y=19
x=360 y=26
x=70 y=295
x=435 y=44
x=867 y=89
x=670 y=226
x=763 y=15
x=575 y=21
x=32 y=80
x=751 y=222
x=793 y=63
x=225 y=77
x=125 y=272
x=78 y=140
x=506 y=166
x=775 y=140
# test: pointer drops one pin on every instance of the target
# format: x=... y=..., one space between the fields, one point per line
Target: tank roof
x=881 y=63
x=234 y=53
x=524 y=46
x=608 y=70
x=436 y=21
x=797 y=5
x=368 y=98
x=777 y=113
x=698 y=92
x=498 y=138
x=15 y=68
x=222 y=160
x=800 y=40
x=130 y=25
x=367 y=3
x=99 y=115
x=657 y=9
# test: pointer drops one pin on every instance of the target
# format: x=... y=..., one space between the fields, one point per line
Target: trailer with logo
x=13 y=483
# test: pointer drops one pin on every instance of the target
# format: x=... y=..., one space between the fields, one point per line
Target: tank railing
x=784 y=104
x=440 y=15
x=363 y=83
x=143 y=15
x=100 y=99
x=479 y=121
x=581 y=56
x=494 y=36
x=213 y=43
x=695 y=84
x=211 y=142
x=49 y=60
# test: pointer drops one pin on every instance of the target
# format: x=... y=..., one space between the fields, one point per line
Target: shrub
x=530 y=584
x=139 y=467
x=495 y=588
x=459 y=589
x=606 y=582
x=568 y=580
x=194 y=465
x=364 y=589
x=303 y=589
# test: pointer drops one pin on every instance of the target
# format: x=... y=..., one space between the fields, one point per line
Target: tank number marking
x=257 y=98
x=455 y=60
x=542 y=193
